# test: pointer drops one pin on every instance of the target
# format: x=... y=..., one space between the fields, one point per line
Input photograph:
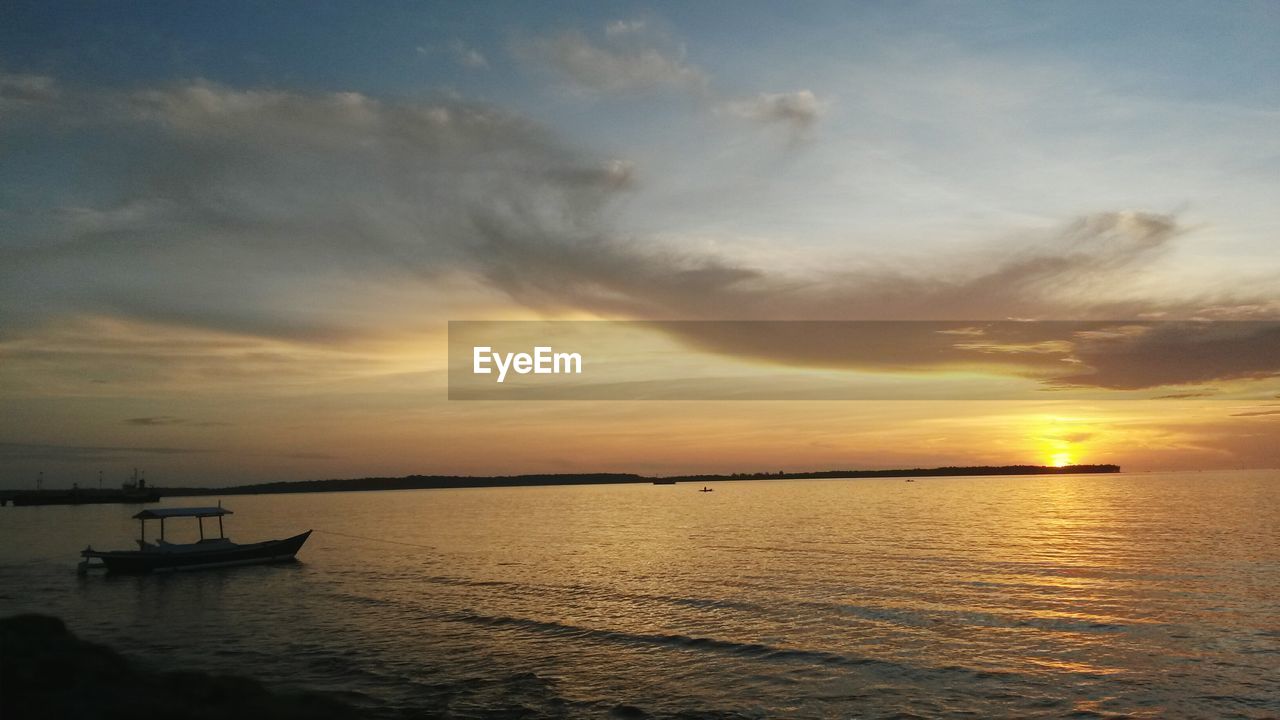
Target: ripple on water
x=1131 y=596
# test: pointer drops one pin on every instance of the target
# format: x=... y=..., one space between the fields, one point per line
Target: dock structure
x=76 y=496
x=135 y=490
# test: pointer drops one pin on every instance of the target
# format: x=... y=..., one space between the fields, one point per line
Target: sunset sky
x=232 y=235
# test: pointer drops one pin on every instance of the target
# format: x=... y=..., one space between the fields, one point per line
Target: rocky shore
x=47 y=672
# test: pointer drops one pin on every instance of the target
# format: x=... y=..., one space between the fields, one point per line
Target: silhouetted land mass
x=423 y=482
x=977 y=470
x=47 y=672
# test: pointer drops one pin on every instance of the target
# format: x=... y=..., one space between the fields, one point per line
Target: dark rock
x=47 y=672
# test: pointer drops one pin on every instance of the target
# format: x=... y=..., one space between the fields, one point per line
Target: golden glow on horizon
x=299 y=409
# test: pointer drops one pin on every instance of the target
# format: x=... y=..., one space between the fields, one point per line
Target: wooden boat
x=706 y=489
x=163 y=556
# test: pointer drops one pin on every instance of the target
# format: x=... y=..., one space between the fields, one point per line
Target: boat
x=706 y=489
x=211 y=552
x=664 y=481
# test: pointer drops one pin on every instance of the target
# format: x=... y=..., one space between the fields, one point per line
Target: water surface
x=1150 y=595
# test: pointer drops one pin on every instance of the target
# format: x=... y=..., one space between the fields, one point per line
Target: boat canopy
x=198 y=512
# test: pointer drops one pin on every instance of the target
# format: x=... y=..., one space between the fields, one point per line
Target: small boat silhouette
x=706 y=489
x=162 y=556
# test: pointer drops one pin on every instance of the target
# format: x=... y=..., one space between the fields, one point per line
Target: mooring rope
x=374 y=539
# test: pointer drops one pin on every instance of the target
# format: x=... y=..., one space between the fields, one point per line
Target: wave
x=752 y=650
x=755 y=651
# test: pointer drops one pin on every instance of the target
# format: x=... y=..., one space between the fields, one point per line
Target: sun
x=1061 y=459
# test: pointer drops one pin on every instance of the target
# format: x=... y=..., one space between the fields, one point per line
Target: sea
x=1149 y=595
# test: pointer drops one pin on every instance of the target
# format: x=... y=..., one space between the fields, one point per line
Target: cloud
x=624 y=27
x=297 y=215
x=1189 y=442
x=323 y=219
x=1256 y=413
x=461 y=53
x=1076 y=437
x=20 y=90
x=469 y=57
x=1125 y=355
x=1144 y=356
x=633 y=59
x=798 y=110
x=1081 y=270
x=170 y=420
x=156 y=420
x=615 y=68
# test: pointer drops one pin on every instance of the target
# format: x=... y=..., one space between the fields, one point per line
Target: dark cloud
x=157 y=420
x=1126 y=355
x=1143 y=356
x=170 y=420
x=1257 y=413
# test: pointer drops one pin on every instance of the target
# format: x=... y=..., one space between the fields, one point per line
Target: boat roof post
x=221 y=534
x=201 y=521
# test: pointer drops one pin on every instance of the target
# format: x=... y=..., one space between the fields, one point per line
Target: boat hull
x=148 y=561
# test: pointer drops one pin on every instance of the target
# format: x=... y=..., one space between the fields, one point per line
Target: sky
x=232 y=235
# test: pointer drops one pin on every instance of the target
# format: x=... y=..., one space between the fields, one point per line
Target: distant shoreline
x=443 y=482
x=446 y=482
